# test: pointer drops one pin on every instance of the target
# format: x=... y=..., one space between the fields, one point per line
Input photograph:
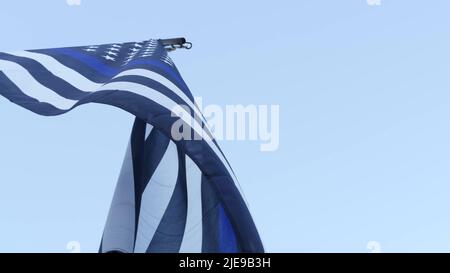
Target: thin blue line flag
x=172 y=195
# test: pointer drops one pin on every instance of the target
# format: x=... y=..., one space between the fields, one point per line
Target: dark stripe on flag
x=137 y=151
x=147 y=155
x=210 y=202
x=10 y=91
x=96 y=64
x=152 y=84
x=84 y=69
x=45 y=77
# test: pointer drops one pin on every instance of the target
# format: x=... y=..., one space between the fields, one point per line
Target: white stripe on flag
x=169 y=104
x=119 y=230
x=32 y=88
x=148 y=130
x=156 y=198
x=159 y=98
x=171 y=86
x=193 y=232
x=56 y=68
x=165 y=82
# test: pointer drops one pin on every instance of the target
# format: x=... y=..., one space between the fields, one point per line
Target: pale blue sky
x=364 y=97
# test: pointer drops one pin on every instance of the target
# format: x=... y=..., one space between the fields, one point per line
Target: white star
x=114 y=49
x=107 y=57
x=116 y=46
x=111 y=53
x=90 y=50
x=137 y=45
x=135 y=49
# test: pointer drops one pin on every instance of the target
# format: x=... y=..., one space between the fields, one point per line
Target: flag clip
x=176 y=43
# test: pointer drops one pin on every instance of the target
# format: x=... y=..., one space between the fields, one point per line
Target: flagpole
x=175 y=43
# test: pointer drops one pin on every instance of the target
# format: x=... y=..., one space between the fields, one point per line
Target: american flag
x=173 y=195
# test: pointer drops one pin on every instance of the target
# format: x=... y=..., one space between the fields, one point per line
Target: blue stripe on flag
x=210 y=222
x=89 y=71
x=227 y=237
